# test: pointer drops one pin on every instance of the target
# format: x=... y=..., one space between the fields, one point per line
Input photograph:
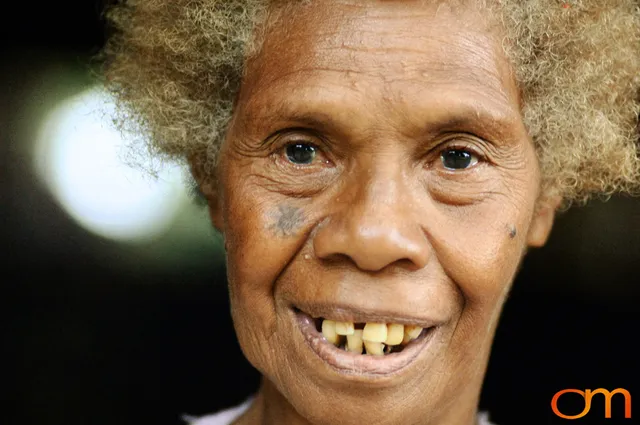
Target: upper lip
x=355 y=314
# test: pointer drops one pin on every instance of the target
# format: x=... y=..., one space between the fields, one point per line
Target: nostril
x=336 y=258
x=407 y=264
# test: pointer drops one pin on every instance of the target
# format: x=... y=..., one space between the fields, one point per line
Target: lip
x=361 y=315
x=361 y=364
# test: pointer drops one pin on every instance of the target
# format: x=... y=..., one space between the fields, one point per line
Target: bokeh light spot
x=78 y=156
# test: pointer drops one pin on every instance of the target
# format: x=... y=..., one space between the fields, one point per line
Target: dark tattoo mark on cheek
x=513 y=232
x=288 y=219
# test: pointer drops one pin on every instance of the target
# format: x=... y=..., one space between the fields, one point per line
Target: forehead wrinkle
x=471 y=55
x=434 y=72
x=425 y=81
x=356 y=39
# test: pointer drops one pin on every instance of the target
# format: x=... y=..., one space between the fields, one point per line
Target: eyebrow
x=495 y=124
x=492 y=126
x=292 y=117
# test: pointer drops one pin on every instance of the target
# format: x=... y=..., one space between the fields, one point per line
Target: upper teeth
x=374 y=336
x=345 y=328
x=395 y=334
x=329 y=332
x=375 y=332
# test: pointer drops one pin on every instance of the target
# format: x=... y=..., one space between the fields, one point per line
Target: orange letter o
x=554 y=404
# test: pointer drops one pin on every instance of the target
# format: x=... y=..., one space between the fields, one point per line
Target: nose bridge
x=379 y=199
x=376 y=223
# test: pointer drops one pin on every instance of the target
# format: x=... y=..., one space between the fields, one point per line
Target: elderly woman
x=378 y=170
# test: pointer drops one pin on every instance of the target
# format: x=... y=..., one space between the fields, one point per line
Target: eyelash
x=457 y=146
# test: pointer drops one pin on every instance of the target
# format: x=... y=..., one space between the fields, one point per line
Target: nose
x=377 y=227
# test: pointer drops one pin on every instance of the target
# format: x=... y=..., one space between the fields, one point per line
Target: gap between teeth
x=375 y=339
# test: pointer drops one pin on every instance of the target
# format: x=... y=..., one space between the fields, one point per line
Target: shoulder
x=224 y=417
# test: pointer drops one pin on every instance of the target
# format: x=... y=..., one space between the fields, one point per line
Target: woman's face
x=376 y=171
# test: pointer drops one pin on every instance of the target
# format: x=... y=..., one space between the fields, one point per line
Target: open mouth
x=375 y=348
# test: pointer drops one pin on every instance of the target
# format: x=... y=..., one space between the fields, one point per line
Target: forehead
x=407 y=51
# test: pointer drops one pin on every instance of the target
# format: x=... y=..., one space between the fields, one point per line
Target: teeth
x=374 y=348
x=395 y=334
x=344 y=328
x=354 y=342
x=329 y=331
x=375 y=332
x=377 y=338
x=411 y=333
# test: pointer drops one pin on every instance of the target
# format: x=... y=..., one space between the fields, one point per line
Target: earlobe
x=542 y=221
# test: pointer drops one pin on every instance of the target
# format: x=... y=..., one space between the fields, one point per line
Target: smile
x=361 y=346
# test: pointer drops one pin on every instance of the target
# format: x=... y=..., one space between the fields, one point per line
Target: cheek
x=480 y=248
x=263 y=234
x=487 y=240
x=261 y=238
x=476 y=250
x=250 y=276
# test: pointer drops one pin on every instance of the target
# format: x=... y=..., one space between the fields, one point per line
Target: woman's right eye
x=301 y=153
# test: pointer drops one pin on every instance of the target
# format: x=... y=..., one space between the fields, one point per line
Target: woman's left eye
x=301 y=153
x=458 y=159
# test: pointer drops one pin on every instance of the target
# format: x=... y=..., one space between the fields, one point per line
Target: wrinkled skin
x=374 y=219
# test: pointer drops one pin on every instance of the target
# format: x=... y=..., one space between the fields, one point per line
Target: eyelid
x=464 y=142
x=282 y=145
x=298 y=134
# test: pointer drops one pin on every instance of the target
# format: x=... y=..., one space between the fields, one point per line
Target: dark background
x=92 y=334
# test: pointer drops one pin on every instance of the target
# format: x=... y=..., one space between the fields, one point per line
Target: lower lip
x=361 y=364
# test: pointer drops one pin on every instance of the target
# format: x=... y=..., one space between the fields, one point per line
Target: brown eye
x=301 y=153
x=458 y=159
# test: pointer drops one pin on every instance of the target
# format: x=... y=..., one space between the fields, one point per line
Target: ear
x=207 y=184
x=542 y=221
